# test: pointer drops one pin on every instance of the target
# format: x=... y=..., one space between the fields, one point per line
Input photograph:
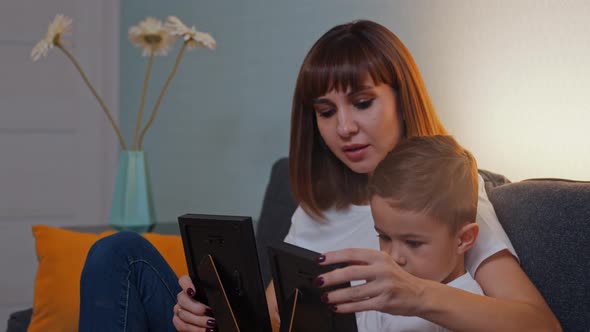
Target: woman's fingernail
x=209 y=312
x=210 y=330
x=318 y=282
x=320 y=259
x=190 y=292
x=334 y=308
x=324 y=298
x=212 y=323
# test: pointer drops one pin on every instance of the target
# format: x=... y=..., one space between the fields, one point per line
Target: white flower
x=60 y=26
x=152 y=36
x=191 y=36
x=205 y=39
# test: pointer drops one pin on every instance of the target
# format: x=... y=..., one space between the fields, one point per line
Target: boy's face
x=420 y=244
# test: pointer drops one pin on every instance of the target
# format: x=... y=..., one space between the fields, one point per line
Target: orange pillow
x=61 y=255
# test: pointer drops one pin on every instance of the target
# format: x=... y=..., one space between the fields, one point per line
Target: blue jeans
x=126 y=285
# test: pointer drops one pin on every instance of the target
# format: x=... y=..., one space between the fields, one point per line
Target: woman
x=358 y=94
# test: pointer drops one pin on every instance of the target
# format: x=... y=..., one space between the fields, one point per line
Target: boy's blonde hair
x=432 y=175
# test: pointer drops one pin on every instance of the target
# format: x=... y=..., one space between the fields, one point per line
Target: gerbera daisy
x=151 y=35
x=191 y=36
x=60 y=26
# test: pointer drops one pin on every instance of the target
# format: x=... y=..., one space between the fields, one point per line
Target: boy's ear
x=466 y=237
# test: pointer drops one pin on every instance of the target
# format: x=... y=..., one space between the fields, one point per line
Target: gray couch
x=548 y=221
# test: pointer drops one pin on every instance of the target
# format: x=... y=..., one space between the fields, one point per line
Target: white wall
x=57 y=152
x=510 y=79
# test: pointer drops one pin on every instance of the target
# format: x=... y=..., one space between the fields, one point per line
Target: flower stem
x=159 y=100
x=141 y=104
x=100 y=101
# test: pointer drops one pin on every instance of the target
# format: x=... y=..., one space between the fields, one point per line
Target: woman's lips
x=355 y=152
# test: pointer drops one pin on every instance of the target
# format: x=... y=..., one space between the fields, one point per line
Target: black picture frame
x=223 y=247
x=293 y=270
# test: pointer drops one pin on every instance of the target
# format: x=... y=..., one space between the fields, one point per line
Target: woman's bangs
x=339 y=66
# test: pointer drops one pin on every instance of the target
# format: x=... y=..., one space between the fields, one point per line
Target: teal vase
x=132 y=208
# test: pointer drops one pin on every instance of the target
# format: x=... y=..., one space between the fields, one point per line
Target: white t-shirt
x=354 y=227
x=370 y=321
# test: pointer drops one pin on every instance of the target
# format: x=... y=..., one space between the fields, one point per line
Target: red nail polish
x=324 y=298
x=190 y=292
x=209 y=312
x=211 y=322
x=334 y=308
x=318 y=282
x=320 y=259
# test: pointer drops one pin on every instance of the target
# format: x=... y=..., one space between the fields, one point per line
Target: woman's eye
x=326 y=113
x=413 y=244
x=364 y=104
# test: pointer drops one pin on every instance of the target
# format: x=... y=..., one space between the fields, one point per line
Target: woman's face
x=360 y=127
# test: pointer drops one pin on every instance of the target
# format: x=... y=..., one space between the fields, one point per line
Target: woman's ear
x=466 y=237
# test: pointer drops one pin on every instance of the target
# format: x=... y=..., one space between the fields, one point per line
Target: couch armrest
x=19 y=321
x=548 y=222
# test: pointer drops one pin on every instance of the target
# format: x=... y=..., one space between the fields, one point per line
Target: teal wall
x=225 y=118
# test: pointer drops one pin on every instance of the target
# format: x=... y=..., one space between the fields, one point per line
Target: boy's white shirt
x=353 y=227
x=372 y=321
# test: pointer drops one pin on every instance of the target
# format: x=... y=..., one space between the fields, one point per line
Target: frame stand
x=289 y=322
x=216 y=296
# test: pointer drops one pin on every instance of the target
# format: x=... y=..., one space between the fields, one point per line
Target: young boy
x=424 y=201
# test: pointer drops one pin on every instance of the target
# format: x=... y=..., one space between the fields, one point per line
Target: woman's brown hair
x=344 y=57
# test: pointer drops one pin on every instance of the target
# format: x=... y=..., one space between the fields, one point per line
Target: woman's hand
x=191 y=315
x=389 y=288
x=513 y=303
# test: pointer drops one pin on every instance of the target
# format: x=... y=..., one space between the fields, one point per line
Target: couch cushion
x=62 y=254
x=492 y=180
x=548 y=222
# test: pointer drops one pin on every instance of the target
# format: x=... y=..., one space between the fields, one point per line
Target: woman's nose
x=347 y=125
